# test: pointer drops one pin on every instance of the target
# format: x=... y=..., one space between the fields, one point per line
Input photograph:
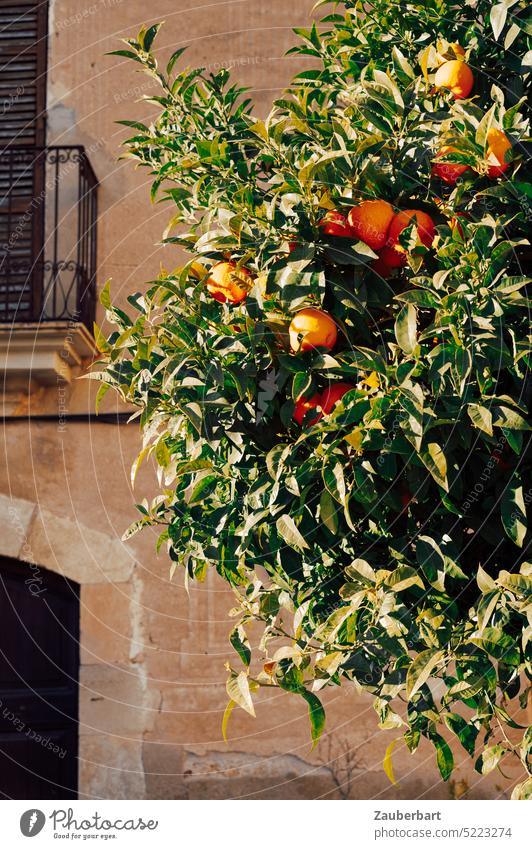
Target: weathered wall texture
x=152 y=676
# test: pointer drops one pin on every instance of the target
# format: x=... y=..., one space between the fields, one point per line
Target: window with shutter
x=23 y=59
x=23 y=52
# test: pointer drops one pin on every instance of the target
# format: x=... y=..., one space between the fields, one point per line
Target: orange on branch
x=312 y=328
x=333 y=394
x=449 y=172
x=369 y=222
x=306 y=405
x=391 y=258
x=393 y=254
x=498 y=146
x=335 y=223
x=456 y=76
x=381 y=268
x=228 y=283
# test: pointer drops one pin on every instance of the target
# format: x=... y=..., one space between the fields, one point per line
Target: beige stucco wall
x=152 y=674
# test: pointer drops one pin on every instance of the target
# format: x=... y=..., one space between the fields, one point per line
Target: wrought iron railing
x=48 y=213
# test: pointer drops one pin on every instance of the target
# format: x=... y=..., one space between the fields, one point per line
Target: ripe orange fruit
x=312 y=328
x=449 y=172
x=369 y=222
x=392 y=258
x=381 y=268
x=498 y=146
x=333 y=394
x=456 y=76
x=393 y=254
x=229 y=283
x=304 y=405
x=335 y=223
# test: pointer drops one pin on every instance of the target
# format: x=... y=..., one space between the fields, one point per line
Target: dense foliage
x=382 y=539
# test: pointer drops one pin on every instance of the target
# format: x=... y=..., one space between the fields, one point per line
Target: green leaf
x=162 y=454
x=420 y=298
x=434 y=460
x=328 y=512
x=486 y=608
x=484 y=125
x=485 y=582
x=513 y=512
x=481 y=418
x=402 y=63
x=300 y=385
x=490 y=759
x=499 y=645
x=505 y=417
x=173 y=59
x=421 y=669
x=105 y=295
x=333 y=477
x=517 y=583
x=147 y=37
x=498 y=15
x=133 y=529
x=444 y=756
x=129 y=54
x=406 y=328
x=238 y=690
x=316 y=715
x=465 y=731
x=464 y=690
x=288 y=530
x=101 y=342
x=360 y=569
x=240 y=643
x=523 y=790
x=102 y=391
x=404 y=577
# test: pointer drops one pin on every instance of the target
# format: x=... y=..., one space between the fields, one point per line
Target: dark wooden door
x=39 y=671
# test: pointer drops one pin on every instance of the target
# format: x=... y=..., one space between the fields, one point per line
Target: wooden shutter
x=23 y=59
x=23 y=53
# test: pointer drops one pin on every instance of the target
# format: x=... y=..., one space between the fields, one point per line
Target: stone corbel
x=39 y=354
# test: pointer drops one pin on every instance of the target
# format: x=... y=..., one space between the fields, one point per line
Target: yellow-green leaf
x=387 y=764
x=225 y=721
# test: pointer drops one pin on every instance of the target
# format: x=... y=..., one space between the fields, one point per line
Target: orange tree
x=335 y=384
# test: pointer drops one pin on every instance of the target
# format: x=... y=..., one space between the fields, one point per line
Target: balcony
x=48 y=211
x=48 y=216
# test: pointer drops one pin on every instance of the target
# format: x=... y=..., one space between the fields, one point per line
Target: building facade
x=112 y=679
